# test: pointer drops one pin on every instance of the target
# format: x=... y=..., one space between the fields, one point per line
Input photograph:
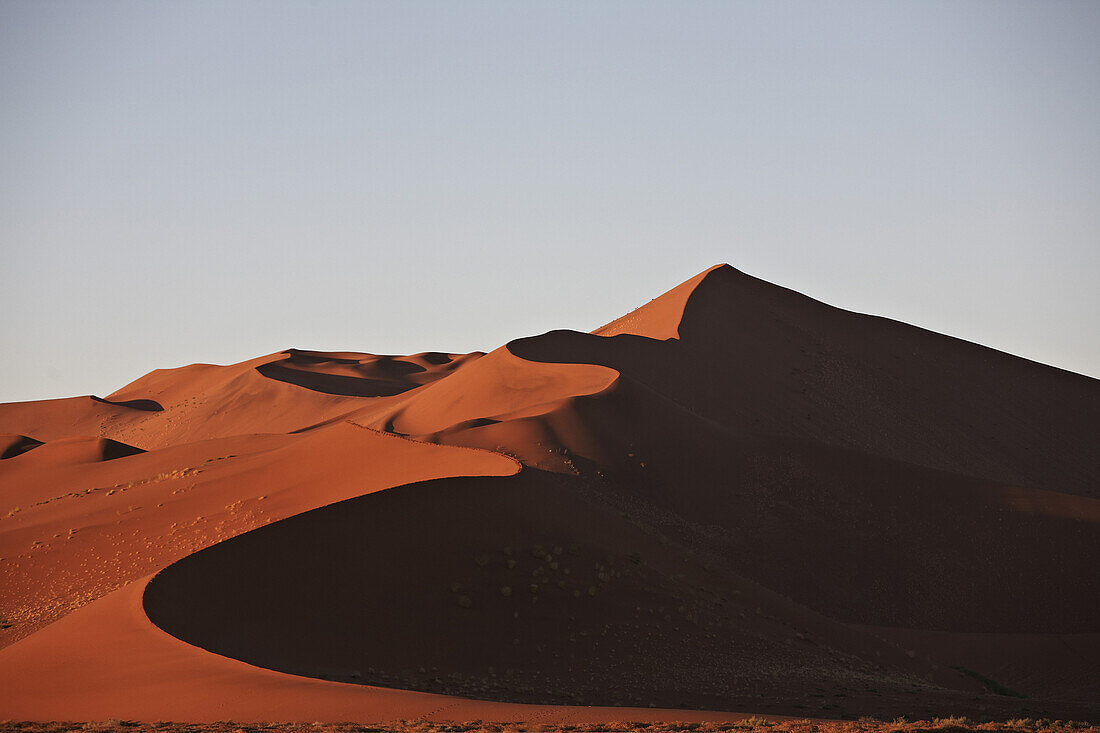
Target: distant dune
x=734 y=500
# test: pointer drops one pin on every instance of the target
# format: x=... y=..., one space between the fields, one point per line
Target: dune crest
x=734 y=498
x=660 y=318
x=13 y=445
x=77 y=449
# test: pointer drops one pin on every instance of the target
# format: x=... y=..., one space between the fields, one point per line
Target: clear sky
x=213 y=181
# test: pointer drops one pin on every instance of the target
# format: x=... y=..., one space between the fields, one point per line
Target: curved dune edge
x=660 y=318
x=109 y=660
x=723 y=356
x=106 y=658
x=112 y=662
x=491 y=389
x=97 y=527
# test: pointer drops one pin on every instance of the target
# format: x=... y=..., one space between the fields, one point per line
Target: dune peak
x=734 y=482
x=660 y=318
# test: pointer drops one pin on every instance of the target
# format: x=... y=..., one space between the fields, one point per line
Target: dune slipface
x=734 y=498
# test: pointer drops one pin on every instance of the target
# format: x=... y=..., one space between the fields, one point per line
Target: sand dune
x=296 y=389
x=732 y=498
x=365 y=376
x=14 y=445
x=77 y=449
x=488 y=391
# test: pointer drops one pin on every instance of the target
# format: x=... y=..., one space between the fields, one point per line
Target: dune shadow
x=142 y=404
x=16 y=445
x=497 y=588
x=113 y=449
x=532 y=588
x=334 y=384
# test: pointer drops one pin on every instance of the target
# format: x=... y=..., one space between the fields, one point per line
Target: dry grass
x=865 y=725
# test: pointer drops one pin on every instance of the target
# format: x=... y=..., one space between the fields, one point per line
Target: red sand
x=108 y=658
x=732 y=498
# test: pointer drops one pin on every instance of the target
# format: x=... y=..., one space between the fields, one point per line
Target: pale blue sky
x=212 y=181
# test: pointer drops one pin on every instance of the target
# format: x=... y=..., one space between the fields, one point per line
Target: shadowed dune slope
x=734 y=497
x=828 y=465
x=765 y=360
x=497 y=387
x=659 y=318
x=77 y=449
x=108 y=659
x=362 y=375
x=70 y=532
x=861 y=538
x=534 y=588
x=14 y=445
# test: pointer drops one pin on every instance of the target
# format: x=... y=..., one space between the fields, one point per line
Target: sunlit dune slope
x=279 y=393
x=659 y=318
x=71 y=532
x=765 y=360
x=494 y=389
x=732 y=498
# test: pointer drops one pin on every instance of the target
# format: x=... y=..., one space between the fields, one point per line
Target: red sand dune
x=279 y=393
x=733 y=498
x=14 y=445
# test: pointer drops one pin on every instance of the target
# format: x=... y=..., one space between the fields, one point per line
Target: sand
x=734 y=498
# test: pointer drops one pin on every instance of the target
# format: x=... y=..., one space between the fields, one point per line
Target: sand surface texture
x=734 y=498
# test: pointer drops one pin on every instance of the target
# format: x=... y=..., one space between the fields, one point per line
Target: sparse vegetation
x=863 y=725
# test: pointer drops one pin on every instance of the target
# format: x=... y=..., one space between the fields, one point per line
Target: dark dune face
x=14 y=445
x=733 y=498
x=768 y=361
x=551 y=589
x=144 y=405
x=373 y=376
x=740 y=506
x=337 y=384
x=533 y=588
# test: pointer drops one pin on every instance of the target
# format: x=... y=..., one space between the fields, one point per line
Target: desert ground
x=762 y=725
x=735 y=507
